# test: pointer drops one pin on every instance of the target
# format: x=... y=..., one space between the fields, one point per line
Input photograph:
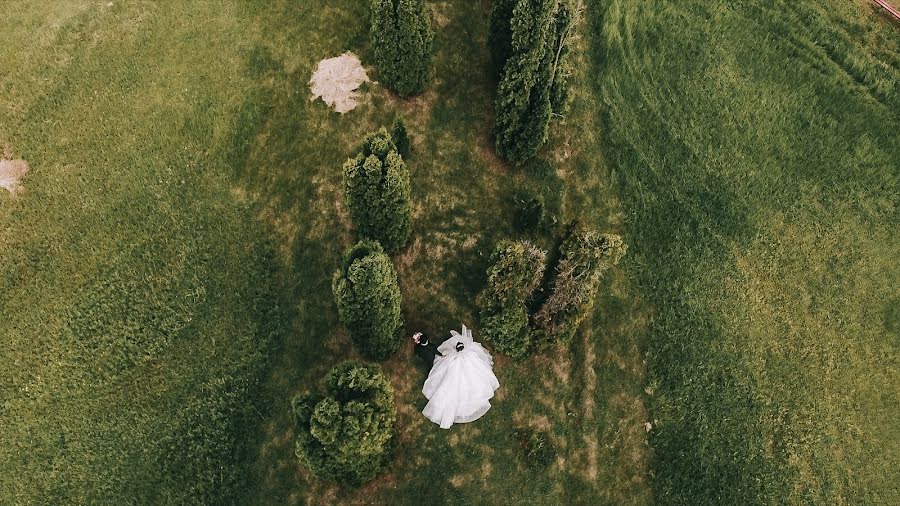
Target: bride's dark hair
x=460 y=346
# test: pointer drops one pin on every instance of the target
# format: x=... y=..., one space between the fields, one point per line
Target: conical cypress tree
x=401 y=38
x=523 y=101
x=534 y=82
x=400 y=135
x=377 y=190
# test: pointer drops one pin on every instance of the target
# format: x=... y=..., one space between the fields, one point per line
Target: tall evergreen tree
x=401 y=38
x=534 y=82
x=523 y=101
x=376 y=186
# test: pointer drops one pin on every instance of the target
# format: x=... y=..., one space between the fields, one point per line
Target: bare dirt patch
x=336 y=81
x=11 y=172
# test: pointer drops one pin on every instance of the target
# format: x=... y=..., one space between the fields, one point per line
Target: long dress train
x=461 y=383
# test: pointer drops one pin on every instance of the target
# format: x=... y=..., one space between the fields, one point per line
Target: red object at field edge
x=888 y=7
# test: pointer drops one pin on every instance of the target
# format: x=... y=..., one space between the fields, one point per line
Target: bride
x=461 y=381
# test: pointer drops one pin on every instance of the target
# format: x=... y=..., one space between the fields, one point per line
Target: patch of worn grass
x=756 y=153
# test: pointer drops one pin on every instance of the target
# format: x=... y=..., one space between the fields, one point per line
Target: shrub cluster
x=368 y=300
x=345 y=433
x=515 y=273
x=401 y=38
x=377 y=189
x=530 y=40
x=517 y=321
x=583 y=258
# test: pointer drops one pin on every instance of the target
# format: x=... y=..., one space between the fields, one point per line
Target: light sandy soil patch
x=11 y=171
x=336 y=81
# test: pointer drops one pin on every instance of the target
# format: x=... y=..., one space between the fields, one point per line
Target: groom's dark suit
x=427 y=351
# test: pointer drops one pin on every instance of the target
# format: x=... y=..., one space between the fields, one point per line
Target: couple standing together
x=461 y=381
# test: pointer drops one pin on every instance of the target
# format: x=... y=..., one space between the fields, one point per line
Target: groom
x=426 y=350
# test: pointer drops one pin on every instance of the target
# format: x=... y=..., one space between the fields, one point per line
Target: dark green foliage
x=500 y=32
x=515 y=272
x=368 y=300
x=376 y=186
x=345 y=433
x=523 y=97
x=583 y=258
x=401 y=137
x=401 y=38
x=534 y=82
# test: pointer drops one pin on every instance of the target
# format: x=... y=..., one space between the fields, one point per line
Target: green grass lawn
x=757 y=153
x=165 y=279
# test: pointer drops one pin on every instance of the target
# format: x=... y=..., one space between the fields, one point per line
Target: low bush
x=376 y=186
x=368 y=300
x=583 y=258
x=515 y=272
x=345 y=434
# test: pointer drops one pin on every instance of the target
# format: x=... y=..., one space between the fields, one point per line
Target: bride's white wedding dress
x=461 y=383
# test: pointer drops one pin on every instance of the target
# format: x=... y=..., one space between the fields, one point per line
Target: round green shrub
x=368 y=300
x=345 y=434
x=515 y=272
x=377 y=189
